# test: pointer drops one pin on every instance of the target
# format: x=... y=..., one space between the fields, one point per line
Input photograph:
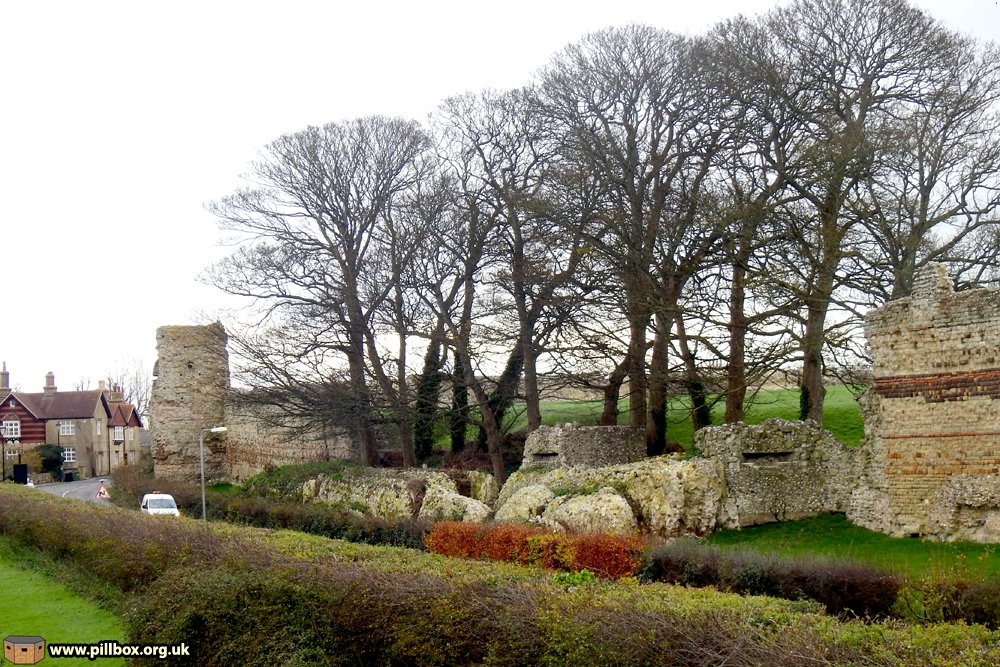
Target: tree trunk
x=637 y=372
x=491 y=426
x=812 y=390
x=532 y=398
x=701 y=412
x=503 y=395
x=612 y=390
x=426 y=409
x=817 y=303
x=458 y=418
x=361 y=408
x=736 y=379
x=404 y=419
x=656 y=425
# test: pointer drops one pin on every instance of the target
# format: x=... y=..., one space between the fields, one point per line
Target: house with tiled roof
x=97 y=429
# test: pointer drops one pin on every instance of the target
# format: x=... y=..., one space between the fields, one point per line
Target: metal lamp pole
x=201 y=451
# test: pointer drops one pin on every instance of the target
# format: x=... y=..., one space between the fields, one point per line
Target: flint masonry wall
x=933 y=414
x=570 y=445
x=191 y=392
x=780 y=469
x=254 y=442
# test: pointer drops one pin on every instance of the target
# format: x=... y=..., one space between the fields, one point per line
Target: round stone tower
x=190 y=389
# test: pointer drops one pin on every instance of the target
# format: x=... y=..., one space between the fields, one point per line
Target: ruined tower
x=931 y=456
x=190 y=389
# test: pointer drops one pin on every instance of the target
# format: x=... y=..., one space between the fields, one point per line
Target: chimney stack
x=117 y=395
x=50 y=383
x=4 y=379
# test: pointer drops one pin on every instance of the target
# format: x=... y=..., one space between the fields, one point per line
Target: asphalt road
x=83 y=490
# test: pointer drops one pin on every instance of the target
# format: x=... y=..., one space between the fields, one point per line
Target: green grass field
x=34 y=604
x=840 y=415
x=832 y=535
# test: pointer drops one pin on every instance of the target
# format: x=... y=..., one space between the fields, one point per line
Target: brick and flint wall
x=933 y=414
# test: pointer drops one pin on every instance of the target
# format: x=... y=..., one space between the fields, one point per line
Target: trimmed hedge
x=327 y=521
x=843 y=587
x=268 y=512
x=237 y=600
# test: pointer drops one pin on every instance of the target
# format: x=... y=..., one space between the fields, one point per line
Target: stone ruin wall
x=570 y=445
x=931 y=454
x=254 y=442
x=191 y=392
x=746 y=475
x=780 y=469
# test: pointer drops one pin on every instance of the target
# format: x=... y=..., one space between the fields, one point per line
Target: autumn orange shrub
x=608 y=556
x=508 y=541
x=455 y=538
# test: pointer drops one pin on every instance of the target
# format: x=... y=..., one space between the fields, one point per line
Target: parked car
x=159 y=503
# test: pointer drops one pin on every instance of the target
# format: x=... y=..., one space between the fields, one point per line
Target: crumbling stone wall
x=598 y=478
x=570 y=445
x=255 y=441
x=191 y=392
x=415 y=493
x=780 y=469
x=932 y=422
x=661 y=495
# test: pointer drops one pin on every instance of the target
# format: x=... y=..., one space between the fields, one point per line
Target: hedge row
x=841 y=586
x=239 y=601
x=265 y=512
x=608 y=556
x=127 y=549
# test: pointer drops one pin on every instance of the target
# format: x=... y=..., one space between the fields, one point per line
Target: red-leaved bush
x=609 y=556
x=454 y=538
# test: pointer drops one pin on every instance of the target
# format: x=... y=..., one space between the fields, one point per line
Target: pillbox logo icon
x=23 y=650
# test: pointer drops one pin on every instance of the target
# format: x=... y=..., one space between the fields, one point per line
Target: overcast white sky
x=120 y=120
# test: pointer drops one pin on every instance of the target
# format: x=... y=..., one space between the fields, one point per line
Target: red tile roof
x=124 y=414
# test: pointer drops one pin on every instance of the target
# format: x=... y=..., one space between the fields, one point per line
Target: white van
x=159 y=503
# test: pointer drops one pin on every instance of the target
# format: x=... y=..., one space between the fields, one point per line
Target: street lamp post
x=201 y=451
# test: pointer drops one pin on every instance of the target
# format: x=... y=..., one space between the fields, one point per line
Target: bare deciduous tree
x=324 y=249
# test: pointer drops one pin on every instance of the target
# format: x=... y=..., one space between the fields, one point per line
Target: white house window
x=119 y=433
x=131 y=434
x=11 y=428
x=97 y=427
x=12 y=453
x=69 y=455
x=67 y=428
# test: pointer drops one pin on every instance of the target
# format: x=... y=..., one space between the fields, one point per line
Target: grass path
x=33 y=604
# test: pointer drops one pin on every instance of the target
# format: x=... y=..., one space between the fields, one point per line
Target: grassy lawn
x=33 y=604
x=840 y=414
x=832 y=535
